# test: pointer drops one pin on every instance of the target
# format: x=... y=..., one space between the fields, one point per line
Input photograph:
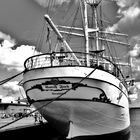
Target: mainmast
x=85 y=22
x=93 y=4
x=94 y=8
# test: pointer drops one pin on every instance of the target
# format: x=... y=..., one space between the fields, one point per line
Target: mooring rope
x=10 y=78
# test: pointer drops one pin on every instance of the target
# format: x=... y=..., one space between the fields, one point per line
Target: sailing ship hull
x=79 y=101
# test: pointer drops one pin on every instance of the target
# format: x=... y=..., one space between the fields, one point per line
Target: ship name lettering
x=56 y=87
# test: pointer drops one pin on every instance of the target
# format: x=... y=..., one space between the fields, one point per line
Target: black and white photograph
x=70 y=69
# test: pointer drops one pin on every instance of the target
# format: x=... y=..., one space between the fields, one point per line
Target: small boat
x=79 y=84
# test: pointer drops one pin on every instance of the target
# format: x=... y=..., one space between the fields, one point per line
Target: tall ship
x=78 y=81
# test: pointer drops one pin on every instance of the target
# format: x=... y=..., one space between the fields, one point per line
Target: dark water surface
x=135 y=123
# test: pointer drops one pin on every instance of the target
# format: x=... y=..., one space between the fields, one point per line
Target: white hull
x=97 y=105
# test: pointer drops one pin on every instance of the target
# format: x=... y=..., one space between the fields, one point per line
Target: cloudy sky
x=21 y=22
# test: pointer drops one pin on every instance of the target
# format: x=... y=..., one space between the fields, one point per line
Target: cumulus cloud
x=14 y=91
x=129 y=14
x=7 y=99
x=11 y=87
x=136 y=51
x=14 y=58
x=7 y=37
x=135 y=60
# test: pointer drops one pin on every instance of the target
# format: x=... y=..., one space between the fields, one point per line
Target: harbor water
x=27 y=127
x=135 y=123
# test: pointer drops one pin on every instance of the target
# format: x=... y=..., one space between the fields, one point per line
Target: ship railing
x=56 y=59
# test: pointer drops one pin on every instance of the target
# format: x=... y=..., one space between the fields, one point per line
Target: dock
x=26 y=128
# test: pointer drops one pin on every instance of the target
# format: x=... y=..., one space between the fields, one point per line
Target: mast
x=85 y=22
x=93 y=4
x=94 y=8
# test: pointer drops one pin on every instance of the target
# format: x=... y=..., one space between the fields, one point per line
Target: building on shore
x=6 y=109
